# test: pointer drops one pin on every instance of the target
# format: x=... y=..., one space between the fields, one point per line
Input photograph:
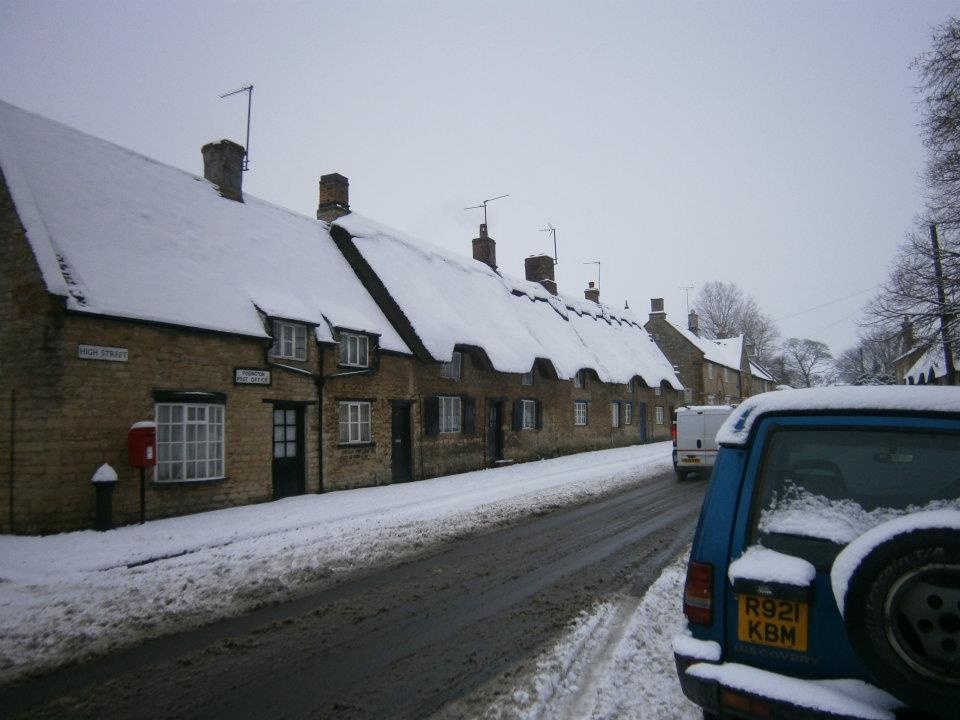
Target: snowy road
x=403 y=642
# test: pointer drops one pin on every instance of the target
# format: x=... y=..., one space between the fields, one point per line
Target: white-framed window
x=711 y=399
x=658 y=390
x=687 y=395
x=354 y=350
x=658 y=414
x=580 y=379
x=579 y=412
x=189 y=442
x=529 y=419
x=615 y=414
x=355 y=425
x=628 y=413
x=527 y=378
x=726 y=399
x=289 y=340
x=726 y=374
x=710 y=371
x=451 y=369
x=631 y=384
x=450 y=414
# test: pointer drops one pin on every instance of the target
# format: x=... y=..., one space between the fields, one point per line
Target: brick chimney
x=334 y=197
x=693 y=323
x=592 y=293
x=656 y=309
x=223 y=166
x=484 y=248
x=539 y=269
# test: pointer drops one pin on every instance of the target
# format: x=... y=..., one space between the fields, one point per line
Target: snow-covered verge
x=616 y=662
x=68 y=596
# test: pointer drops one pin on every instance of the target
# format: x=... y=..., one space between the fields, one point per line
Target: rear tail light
x=673 y=432
x=752 y=707
x=698 y=593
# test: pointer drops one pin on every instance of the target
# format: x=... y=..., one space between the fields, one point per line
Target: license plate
x=691 y=460
x=768 y=621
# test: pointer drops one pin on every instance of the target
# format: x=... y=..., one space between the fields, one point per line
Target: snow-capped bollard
x=104 y=480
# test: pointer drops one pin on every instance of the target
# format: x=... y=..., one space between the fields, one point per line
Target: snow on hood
x=452 y=300
x=857 y=400
x=120 y=234
x=854 y=554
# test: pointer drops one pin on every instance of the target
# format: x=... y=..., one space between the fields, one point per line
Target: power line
x=831 y=302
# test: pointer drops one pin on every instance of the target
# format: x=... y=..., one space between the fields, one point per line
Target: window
x=627 y=413
x=354 y=350
x=580 y=379
x=527 y=378
x=284 y=433
x=711 y=400
x=615 y=414
x=631 y=384
x=289 y=340
x=726 y=399
x=658 y=414
x=529 y=415
x=189 y=441
x=658 y=390
x=449 y=414
x=451 y=369
x=687 y=396
x=579 y=412
x=726 y=374
x=354 y=422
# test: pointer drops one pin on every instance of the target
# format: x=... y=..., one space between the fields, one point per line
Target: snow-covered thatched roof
x=119 y=234
x=930 y=366
x=452 y=301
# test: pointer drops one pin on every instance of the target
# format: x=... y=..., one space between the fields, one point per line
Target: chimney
x=656 y=309
x=906 y=335
x=592 y=293
x=752 y=351
x=334 y=197
x=484 y=248
x=693 y=323
x=539 y=269
x=223 y=166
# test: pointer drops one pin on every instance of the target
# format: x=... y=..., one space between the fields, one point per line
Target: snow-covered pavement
x=65 y=597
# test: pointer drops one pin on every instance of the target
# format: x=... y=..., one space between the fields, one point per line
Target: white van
x=694 y=432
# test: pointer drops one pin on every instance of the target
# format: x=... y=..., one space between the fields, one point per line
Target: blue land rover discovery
x=824 y=578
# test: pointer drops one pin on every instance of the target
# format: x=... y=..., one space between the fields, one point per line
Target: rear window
x=831 y=485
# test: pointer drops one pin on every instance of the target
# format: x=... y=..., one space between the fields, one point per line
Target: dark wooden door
x=401 y=457
x=642 y=417
x=494 y=430
x=288 y=454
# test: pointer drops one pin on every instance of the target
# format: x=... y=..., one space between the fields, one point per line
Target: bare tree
x=911 y=291
x=870 y=361
x=725 y=311
x=939 y=71
x=807 y=361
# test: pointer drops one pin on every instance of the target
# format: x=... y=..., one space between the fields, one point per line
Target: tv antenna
x=597 y=263
x=553 y=233
x=248 y=89
x=484 y=206
x=686 y=291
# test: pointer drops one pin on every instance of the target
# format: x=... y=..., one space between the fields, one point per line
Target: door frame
x=301 y=457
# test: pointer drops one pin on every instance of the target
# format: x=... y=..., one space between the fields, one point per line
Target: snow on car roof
x=857 y=400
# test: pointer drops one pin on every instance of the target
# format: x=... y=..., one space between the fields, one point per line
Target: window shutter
x=469 y=415
x=518 y=415
x=431 y=415
x=538 y=421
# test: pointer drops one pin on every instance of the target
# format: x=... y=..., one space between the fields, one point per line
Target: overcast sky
x=773 y=144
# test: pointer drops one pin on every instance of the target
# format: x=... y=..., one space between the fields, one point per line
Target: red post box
x=142 y=444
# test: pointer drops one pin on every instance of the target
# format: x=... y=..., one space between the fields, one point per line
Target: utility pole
x=942 y=299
